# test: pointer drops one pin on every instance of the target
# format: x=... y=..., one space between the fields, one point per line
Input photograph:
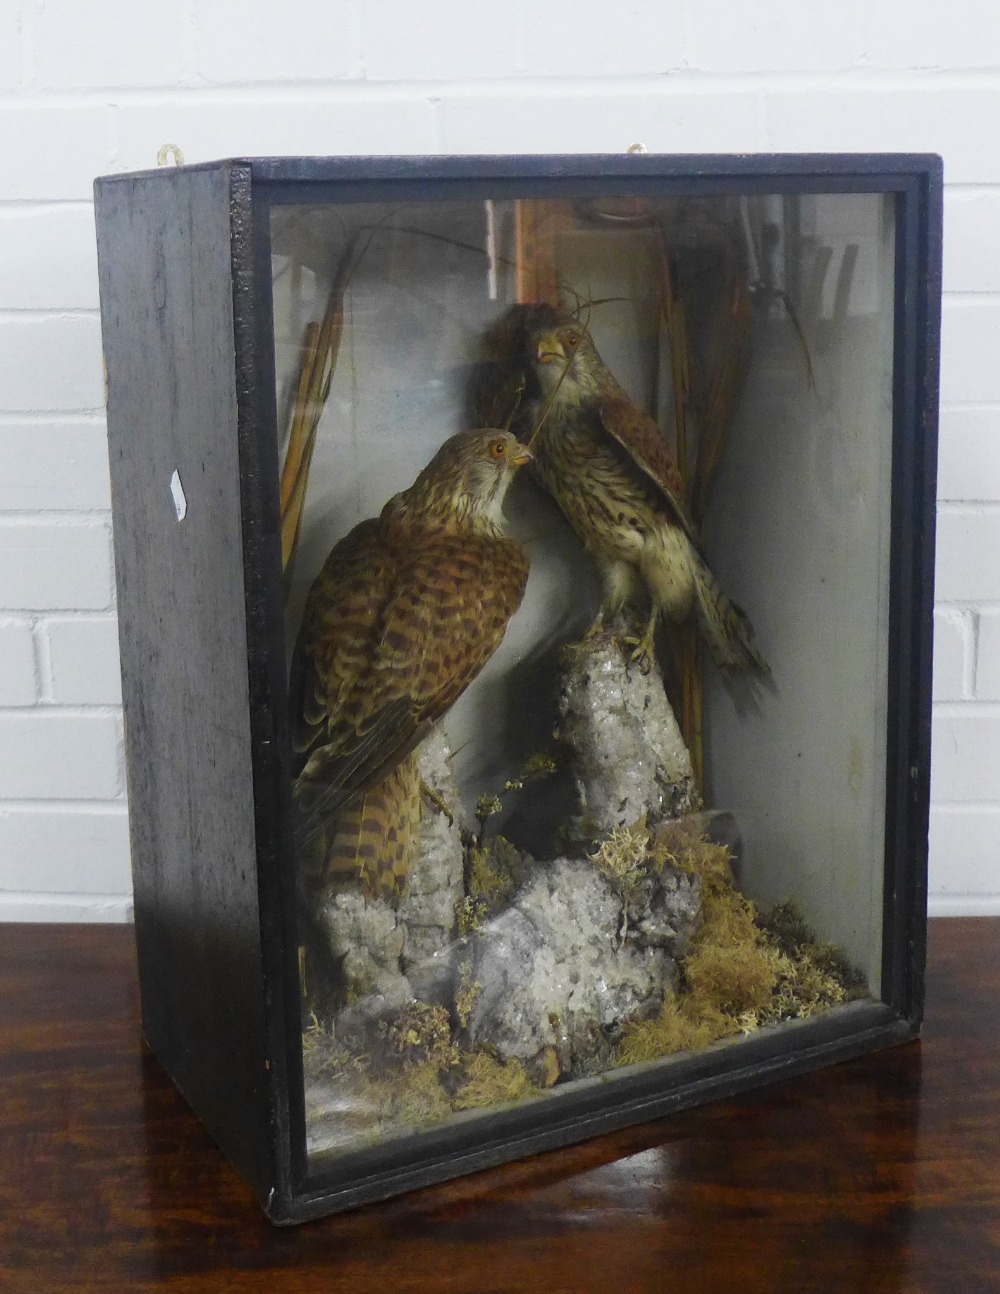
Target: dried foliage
x=317 y=362
x=745 y=969
x=413 y=1076
x=493 y=872
x=623 y=858
x=536 y=769
x=678 y=1027
x=418 y=1033
x=488 y=1082
x=466 y=995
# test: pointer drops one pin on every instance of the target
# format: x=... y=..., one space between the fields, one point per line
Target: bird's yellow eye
x=497 y=448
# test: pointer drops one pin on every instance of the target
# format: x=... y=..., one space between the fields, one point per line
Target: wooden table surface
x=882 y=1174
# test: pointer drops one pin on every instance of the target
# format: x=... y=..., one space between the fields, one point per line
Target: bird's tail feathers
x=726 y=627
x=373 y=834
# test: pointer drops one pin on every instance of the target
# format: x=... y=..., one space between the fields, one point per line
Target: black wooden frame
x=260 y=1122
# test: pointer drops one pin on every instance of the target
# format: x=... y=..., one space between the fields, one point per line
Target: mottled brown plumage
x=608 y=467
x=406 y=611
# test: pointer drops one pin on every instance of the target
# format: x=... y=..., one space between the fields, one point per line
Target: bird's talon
x=641 y=659
x=595 y=630
x=438 y=801
x=642 y=656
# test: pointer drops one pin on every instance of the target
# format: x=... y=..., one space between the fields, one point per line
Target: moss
x=403 y=1081
x=539 y=765
x=382 y=1105
x=488 y=806
x=785 y=927
x=814 y=980
x=322 y=1055
x=469 y=915
x=745 y=970
x=731 y=978
x=466 y=995
x=493 y=872
x=374 y=1103
x=489 y=882
x=816 y=975
x=622 y=858
x=417 y=1033
x=682 y=1025
x=832 y=962
x=486 y=1081
x=416 y=1095
x=536 y=768
x=677 y=844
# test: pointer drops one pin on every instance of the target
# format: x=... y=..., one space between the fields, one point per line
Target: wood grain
x=167 y=267
x=878 y=1175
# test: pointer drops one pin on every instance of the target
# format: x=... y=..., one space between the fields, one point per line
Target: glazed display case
x=525 y=576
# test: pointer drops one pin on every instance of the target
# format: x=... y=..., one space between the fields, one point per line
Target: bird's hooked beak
x=550 y=350
x=521 y=456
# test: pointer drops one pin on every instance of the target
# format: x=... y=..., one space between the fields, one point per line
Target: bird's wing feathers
x=341 y=609
x=455 y=596
x=639 y=436
x=343 y=737
x=336 y=774
x=387 y=655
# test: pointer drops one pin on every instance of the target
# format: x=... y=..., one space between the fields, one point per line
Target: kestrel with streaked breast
x=405 y=612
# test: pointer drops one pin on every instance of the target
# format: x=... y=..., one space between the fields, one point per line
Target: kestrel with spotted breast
x=608 y=467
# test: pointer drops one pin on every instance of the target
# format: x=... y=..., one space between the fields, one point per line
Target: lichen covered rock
x=629 y=758
x=533 y=970
x=556 y=978
x=365 y=940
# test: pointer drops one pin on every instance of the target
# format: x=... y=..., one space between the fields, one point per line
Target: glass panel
x=631 y=804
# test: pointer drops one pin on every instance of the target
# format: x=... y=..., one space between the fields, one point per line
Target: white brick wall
x=87 y=88
x=18 y=675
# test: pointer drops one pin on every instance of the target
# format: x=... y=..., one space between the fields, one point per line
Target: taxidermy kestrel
x=608 y=468
x=406 y=611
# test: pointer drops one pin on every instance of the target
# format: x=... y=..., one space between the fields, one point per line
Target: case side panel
x=167 y=306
